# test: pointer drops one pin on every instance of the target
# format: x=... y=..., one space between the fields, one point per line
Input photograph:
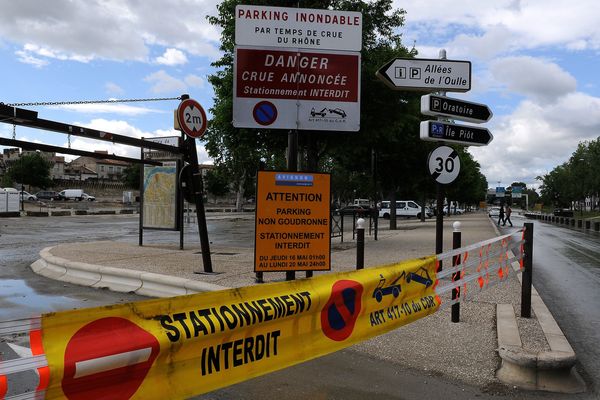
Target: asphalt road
x=566 y=273
x=344 y=375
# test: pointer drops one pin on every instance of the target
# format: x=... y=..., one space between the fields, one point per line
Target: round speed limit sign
x=444 y=164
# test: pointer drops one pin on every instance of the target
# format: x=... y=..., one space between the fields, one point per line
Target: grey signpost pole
x=439 y=218
x=292 y=166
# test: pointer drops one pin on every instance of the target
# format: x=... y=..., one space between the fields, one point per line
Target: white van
x=404 y=208
x=362 y=202
x=71 y=194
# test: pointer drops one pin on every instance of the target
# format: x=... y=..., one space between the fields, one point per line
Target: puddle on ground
x=16 y=295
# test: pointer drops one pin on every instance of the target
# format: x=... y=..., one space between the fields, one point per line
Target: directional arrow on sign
x=429 y=75
x=435 y=105
x=437 y=131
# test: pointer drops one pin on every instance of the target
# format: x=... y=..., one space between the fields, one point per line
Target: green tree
x=30 y=169
x=576 y=180
x=131 y=176
x=216 y=182
x=470 y=186
x=242 y=150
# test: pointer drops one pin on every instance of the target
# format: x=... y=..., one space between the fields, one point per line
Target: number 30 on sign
x=444 y=164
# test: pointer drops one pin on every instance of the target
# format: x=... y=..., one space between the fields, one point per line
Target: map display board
x=160 y=196
x=292 y=222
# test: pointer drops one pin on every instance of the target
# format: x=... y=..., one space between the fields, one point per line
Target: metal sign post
x=192 y=121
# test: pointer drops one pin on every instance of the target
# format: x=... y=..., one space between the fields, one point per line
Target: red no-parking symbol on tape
x=339 y=315
x=108 y=359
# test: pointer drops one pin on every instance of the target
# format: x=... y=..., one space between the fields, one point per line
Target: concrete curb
x=551 y=371
x=117 y=279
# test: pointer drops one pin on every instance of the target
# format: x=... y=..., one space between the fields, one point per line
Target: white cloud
x=537 y=137
x=27 y=58
x=109 y=29
x=172 y=57
x=162 y=82
x=194 y=81
x=527 y=25
x=113 y=88
x=533 y=77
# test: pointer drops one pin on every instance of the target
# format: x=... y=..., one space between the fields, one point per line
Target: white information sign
x=444 y=164
x=291 y=89
x=428 y=75
x=298 y=28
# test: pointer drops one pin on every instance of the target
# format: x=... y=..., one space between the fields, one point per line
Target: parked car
x=494 y=212
x=47 y=195
x=353 y=208
x=85 y=196
x=563 y=212
x=10 y=190
x=404 y=208
x=454 y=211
x=28 y=196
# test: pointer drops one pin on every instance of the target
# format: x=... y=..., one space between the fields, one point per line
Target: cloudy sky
x=534 y=63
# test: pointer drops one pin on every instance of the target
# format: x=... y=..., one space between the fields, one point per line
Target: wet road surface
x=566 y=273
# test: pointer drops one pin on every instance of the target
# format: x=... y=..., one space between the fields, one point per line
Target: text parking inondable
x=292 y=222
x=298 y=28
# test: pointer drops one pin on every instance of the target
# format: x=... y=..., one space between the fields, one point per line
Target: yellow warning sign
x=183 y=346
x=292 y=222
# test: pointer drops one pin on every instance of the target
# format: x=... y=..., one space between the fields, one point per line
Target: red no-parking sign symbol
x=108 y=359
x=339 y=315
x=192 y=118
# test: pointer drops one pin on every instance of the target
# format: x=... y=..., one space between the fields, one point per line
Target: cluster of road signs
x=441 y=76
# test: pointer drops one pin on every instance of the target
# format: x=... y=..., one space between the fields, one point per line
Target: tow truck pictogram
x=338 y=111
x=321 y=113
x=393 y=289
x=421 y=276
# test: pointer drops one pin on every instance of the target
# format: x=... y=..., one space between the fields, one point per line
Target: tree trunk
x=239 y=199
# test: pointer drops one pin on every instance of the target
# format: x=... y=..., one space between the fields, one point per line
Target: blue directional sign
x=437 y=131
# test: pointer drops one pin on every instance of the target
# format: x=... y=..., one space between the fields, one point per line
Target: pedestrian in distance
x=507 y=218
x=501 y=215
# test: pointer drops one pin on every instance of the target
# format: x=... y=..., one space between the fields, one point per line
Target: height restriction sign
x=192 y=118
x=292 y=222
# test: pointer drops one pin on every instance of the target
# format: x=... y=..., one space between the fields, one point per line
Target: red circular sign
x=108 y=359
x=339 y=315
x=192 y=118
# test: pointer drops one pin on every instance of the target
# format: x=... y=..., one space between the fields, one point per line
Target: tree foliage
x=384 y=159
x=216 y=182
x=131 y=176
x=576 y=179
x=30 y=169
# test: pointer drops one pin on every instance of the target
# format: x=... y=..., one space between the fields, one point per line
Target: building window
x=102 y=168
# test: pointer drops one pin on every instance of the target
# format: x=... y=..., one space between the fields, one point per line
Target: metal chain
x=61 y=103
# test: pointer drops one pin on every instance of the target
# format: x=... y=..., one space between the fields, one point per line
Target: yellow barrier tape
x=183 y=346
